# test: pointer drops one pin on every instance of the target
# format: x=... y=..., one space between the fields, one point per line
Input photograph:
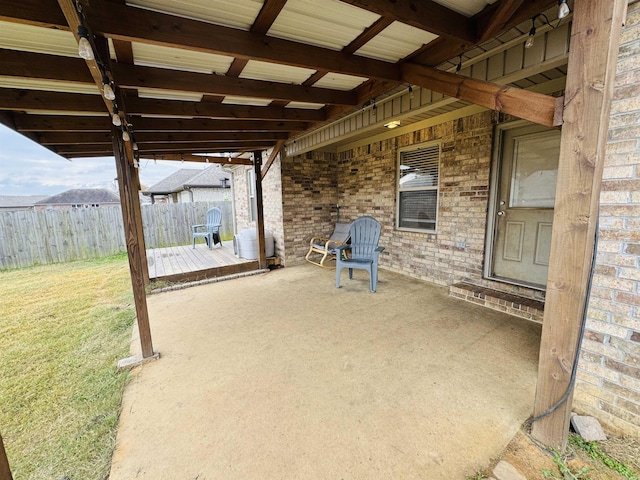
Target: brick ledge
x=510 y=303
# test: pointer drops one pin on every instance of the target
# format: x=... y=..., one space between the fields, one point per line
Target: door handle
x=501 y=213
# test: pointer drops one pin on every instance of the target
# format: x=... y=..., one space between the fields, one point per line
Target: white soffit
x=254 y=102
x=168 y=94
x=339 y=81
x=48 y=85
x=28 y=38
x=305 y=105
x=179 y=59
x=324 y=23
x=396 y=42
x=228 y=13
x=465 y=7
x=273 y=72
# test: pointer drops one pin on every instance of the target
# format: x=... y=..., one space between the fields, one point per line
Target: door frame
x=493 y=206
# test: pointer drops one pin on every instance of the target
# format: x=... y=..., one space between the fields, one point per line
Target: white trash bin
x=245 y=244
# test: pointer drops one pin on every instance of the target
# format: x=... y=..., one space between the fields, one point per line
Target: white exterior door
x=524 y=207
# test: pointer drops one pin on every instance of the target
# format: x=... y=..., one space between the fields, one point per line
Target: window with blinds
x=418 y=170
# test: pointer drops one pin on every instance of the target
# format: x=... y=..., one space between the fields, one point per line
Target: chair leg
x=338 y=270
x=351 y=274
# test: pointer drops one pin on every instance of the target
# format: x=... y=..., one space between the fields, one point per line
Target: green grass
x=596 y=453
x=62 y=329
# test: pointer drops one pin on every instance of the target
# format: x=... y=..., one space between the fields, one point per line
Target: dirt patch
x=530 y=459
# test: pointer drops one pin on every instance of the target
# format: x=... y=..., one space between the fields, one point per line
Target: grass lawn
x=62 y=330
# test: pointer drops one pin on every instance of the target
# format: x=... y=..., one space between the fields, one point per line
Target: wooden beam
x=5 y=470
x=368 y=34
x=200 y=159
x=595 y=37
x=272 y=158
x=425 y=14
x=128 y=185
x=78 y=138
x=14 y=63
x=491 y=26
x=268 y=14
x=62 y=123
x=145 y=26
x=168 y=147
x=37 y=100
x=257 y=169
x=206 y=109
x=39 y=13
x=72 y=17
x=131 y=76
x=209 y=273
x=532 y=106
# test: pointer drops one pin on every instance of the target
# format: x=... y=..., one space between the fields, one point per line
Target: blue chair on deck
x=210 y=231
x=365 y=234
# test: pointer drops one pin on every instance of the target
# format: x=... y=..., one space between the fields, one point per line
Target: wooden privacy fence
x=61 y=235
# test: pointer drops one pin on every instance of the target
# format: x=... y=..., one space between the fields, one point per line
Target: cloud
x=27 y=168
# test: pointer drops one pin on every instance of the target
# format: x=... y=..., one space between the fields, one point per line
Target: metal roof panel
x=48 y=85
x=339 y=81
x=256 y=102
x=324 y=23
x=273 y=72
x=169 y=94
x=229 y=13
x=179 y=59
x=465 y=7
x=396 y=42
x=28 y=38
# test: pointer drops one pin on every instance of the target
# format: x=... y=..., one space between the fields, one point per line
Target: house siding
x=608 y=383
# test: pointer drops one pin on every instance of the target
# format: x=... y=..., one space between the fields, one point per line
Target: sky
x=27 y=168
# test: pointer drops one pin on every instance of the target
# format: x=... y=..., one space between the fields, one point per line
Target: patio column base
x=136 y=360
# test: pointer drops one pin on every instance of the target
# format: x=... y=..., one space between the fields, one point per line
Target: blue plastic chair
x=365 y=234
x=211 y=232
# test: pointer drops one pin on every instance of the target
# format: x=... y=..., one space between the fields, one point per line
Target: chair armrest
x=343 y=247
x=318 y=240
x=195 y=227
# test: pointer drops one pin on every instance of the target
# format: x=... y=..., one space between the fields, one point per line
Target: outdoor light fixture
x=107 y=91
x=532 y=35
x=115 y=118
x=411 y=92
x=84 y=47
x=392 y=124
x=563 y=9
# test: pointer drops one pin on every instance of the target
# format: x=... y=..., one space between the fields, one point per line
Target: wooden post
x=127 y=182
x=595 y=38
x=5 y=471
x=137 y=211
x=257 y=168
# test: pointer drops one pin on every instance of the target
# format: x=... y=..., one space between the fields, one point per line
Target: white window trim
x=399 y=189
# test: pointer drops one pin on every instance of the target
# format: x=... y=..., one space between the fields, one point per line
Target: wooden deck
x=184 y=263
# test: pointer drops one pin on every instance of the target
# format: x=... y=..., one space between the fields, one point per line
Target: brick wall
x=363 y=182
x=608 y=384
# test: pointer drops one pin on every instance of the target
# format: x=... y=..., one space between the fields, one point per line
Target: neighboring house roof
x=184 y=178
x=17 y=201
x=81 y=195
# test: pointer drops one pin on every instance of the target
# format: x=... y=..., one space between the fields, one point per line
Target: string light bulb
x=563 y=9
x=135 y=146
x=125 y=135
x=411 y=95
x=107 y=91
x=531 y=39
x=115 y=117
x=84 y=46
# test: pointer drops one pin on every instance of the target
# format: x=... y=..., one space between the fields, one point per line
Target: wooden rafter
x=77 y=138
x=145 y=26
x=272 y=158
x=496 y=23
x=166 y=147
x=63 y=123
x=148 y=77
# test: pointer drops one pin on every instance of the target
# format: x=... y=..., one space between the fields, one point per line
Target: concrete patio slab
x=283 y=376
